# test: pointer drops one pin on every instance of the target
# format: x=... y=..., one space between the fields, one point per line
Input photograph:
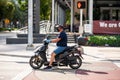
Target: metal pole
x=36 y=20
x=67 y=3
x=53 y=8
x=81 y=20
x=58 y=14
x=71 y=15
x=30 y=24
x=91 y=14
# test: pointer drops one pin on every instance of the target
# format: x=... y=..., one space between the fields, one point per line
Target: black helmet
x=59 y=26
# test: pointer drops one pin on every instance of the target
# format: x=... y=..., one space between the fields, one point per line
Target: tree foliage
x=45 y=9
x=67 y=16
x=6 y=9
x=20 y=13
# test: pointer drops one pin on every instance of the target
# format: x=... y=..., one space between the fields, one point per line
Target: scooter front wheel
x=35 y=62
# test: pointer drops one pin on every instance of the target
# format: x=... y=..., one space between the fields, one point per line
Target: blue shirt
x=63 y=41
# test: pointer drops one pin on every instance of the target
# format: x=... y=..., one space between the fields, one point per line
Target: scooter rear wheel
x=76 y=64
x=35 y=62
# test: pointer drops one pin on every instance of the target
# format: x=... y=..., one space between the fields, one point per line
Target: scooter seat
x=67 y=48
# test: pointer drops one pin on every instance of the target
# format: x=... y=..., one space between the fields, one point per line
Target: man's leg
x=55 y=52
x=51 y=61
x=52 y=58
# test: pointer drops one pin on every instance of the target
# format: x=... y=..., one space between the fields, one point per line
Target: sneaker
x=48 y=68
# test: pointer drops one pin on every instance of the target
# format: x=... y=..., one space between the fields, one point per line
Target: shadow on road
x=73 y=71
x=86 y=72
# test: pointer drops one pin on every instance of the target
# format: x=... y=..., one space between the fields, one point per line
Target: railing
x=45 y=26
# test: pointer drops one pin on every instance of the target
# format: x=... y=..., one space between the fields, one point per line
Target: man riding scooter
x=61 y=43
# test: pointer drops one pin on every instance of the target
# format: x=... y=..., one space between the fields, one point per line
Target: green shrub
x=6 y=29
x=98 y=40
x=2 y=29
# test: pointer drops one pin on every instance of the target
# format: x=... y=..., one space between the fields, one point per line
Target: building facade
x=103 y=15
x=106 y=16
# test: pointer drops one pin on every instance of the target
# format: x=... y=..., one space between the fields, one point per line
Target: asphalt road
x=13 y=58
x=101 y=63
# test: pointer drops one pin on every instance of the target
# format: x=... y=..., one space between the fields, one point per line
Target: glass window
x=111 y=13
x=106 y=14
x=118 y=14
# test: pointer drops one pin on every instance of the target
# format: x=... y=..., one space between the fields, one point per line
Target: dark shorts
x=59 y=50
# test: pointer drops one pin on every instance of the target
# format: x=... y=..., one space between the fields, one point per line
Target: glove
x=47 y=41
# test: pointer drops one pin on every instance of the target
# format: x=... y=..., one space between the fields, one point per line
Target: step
x=23 y=40
x=34 y=35
x=37 y=38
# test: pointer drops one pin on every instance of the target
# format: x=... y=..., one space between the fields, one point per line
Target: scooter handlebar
x=46 y=41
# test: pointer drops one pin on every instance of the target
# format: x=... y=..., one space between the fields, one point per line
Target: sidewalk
x=100 y=63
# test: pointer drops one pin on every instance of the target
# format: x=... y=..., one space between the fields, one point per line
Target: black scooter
x=70 y=56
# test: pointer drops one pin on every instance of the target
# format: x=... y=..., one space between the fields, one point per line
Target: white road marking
x=117 y=64
x=22 y=75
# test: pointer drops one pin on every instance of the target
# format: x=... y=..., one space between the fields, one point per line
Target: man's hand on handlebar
x=47 y=41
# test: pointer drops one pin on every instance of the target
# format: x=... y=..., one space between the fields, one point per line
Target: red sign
x=106 y=27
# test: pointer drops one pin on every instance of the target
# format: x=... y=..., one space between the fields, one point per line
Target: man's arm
x=56 y=40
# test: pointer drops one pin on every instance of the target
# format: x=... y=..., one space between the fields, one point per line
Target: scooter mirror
x=48 y=37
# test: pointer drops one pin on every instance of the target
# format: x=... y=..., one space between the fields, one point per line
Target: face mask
x=58 y=29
